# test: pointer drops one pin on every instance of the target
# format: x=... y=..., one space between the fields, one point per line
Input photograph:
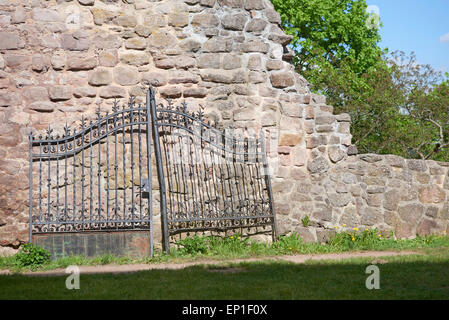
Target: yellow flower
x=290 y=248
x=366 y=229
x=356 y=229
x=344 y=225
x=232 y=237
x=336 y=227
x=238 y=238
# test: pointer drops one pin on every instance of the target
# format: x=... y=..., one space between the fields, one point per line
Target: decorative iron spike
x=49 y=131
x=115 y=106
x=184 y=106
x=66 y=130
x=170 y=104
x=132 y=100
x=98 y=113
x=83 y=122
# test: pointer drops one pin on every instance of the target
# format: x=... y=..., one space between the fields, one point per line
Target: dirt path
x=113 y=268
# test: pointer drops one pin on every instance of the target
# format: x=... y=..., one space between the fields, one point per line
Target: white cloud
x=444 y=38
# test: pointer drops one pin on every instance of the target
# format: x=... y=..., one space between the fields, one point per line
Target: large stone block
x=100 y=77
x=139 y=43
x=318 y=165
x=69 y=42
x=8 y=98
x=234 y=21
x=426 y=227
x=178 y=19
x=417 y=165
x=135 y=59
x=255 y=46
x=126 y=76
x=411 y=213
x=223 y=76
x=181 y=76
x=34 y=94
x=45 y=15
x=81 y=62
x=10 y=40
x=205 y=20
x=80 y=92
x=336 y=154
x=282 y=80
x=256 y=25
x=290 y=139
x=60 y=93
x=431 y=194
x=112 y=92
x=217 y=44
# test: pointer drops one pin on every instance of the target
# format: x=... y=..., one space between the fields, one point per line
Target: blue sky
x=421 y=26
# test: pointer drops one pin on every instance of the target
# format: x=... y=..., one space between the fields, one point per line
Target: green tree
x=397 y=105
x=326 y=32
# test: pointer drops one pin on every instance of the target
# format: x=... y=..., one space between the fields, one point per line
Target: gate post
x=160 y=173
x=30 y=137
x=150 y=175
x=268 y=183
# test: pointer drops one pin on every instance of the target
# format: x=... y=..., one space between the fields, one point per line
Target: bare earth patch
x=115 y=269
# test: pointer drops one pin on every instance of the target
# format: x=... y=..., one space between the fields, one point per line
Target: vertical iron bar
x=99 y=171
x=65 y=177
x=124 y=164
x=107 y=170
x=90 y=177
x=131 y=119
x=74 y=180
x=160 y=173
x=268 y=183
x=83 y=176
x=150 y=98
x=115 y=168
x=57 y=180
x=49 y=184
x=40 y=181
x=30 y=137
x=140 y=167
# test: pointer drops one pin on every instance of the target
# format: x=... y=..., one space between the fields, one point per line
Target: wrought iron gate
x=209 y=179
x=90 y=178
x=98 y=177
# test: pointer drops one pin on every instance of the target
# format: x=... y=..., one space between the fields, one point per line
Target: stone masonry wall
x=60 y=60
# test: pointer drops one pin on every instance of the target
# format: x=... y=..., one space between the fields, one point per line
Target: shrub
x=288 y=244
x=193 y=245
x=31 y=255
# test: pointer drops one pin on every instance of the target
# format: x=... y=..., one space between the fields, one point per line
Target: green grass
x=222 y=248
x=423 y=276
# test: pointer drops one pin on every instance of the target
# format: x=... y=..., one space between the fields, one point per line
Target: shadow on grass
x=400 y=278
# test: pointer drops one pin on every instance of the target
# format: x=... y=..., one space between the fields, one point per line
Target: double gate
x=98 y=177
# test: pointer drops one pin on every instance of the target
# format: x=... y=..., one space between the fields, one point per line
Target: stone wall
x=408 y=197
x=60 y=60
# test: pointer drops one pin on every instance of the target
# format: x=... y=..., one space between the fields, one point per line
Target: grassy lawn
x=233 y=247
x=424 y=276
